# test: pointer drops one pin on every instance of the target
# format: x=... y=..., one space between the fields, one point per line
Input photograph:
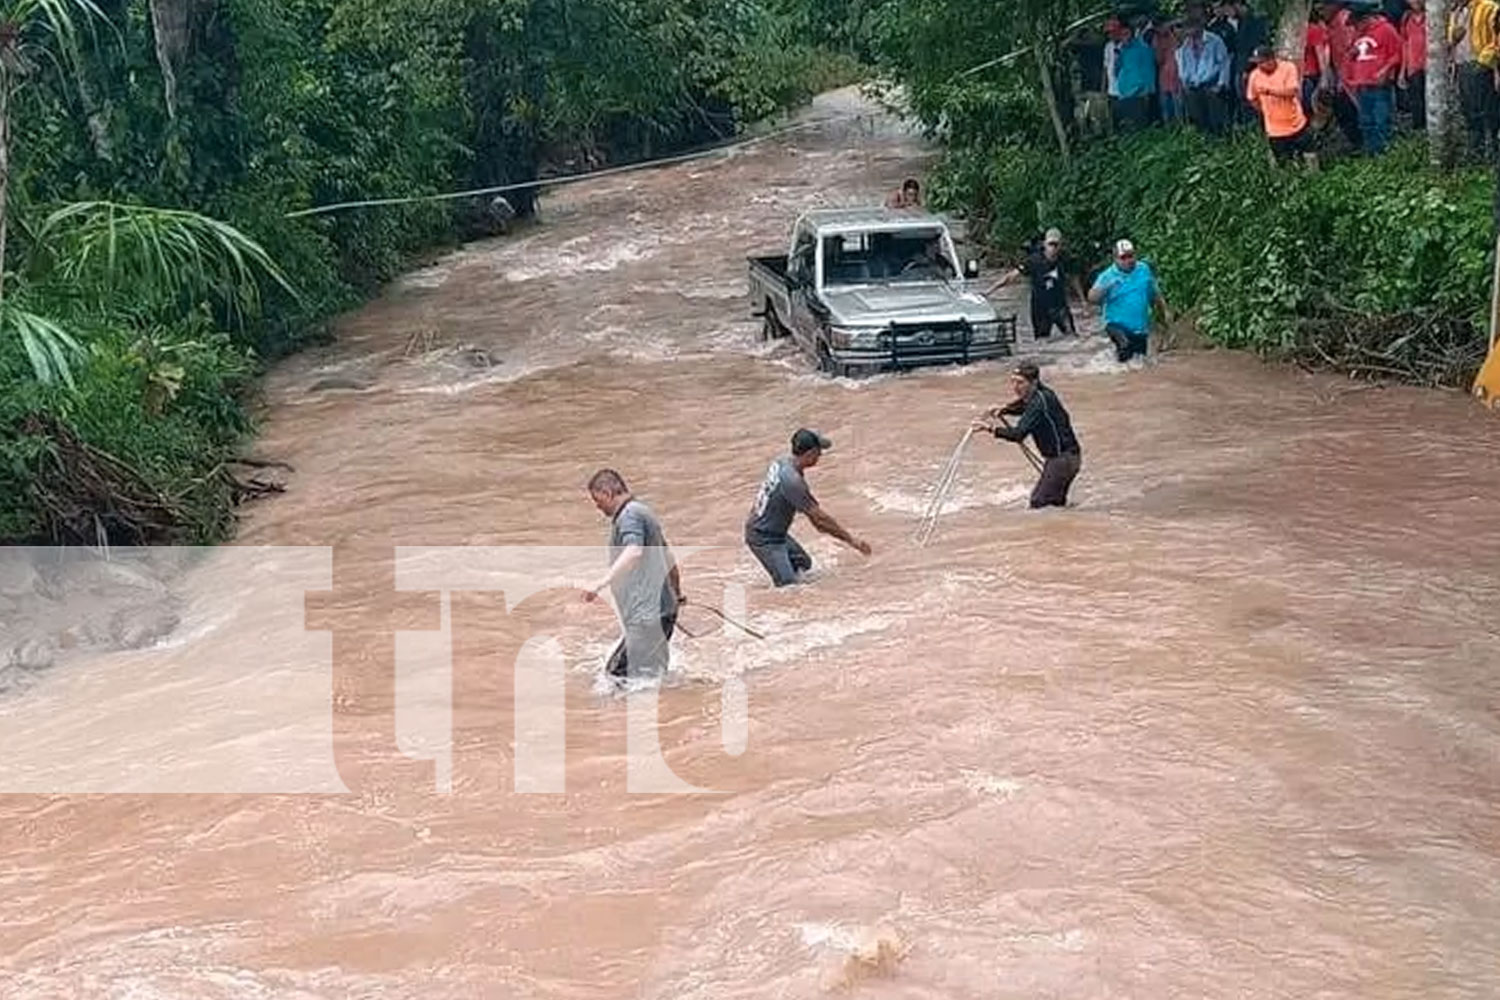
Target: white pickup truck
x=876 y=289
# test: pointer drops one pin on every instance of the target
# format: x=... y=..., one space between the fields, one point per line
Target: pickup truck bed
x=771 y=293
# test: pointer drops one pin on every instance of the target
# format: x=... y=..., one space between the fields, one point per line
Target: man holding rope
x=1045 y=421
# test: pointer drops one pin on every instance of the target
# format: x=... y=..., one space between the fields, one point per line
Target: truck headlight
x=986 y=333
x=858 y=338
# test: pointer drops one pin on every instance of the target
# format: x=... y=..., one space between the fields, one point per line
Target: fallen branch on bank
x=90 y=497
x=1422 y=348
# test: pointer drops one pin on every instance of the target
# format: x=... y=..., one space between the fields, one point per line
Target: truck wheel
x=828 y=366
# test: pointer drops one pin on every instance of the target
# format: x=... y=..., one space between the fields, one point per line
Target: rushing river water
x=1230 y=727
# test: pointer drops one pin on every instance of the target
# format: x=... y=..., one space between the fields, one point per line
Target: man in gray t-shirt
x=642 y=577
x=783 y=494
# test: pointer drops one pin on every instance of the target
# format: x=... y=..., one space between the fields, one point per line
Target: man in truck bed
x=783 y=493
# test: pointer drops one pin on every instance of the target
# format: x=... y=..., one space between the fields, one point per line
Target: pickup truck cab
x=876 y=289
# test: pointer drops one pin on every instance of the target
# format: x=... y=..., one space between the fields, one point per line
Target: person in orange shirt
x=1274 y=87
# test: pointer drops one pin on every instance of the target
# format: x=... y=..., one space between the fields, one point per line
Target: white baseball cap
x=1124 y=247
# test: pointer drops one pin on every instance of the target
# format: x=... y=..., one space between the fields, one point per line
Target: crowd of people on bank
x=1215 y=68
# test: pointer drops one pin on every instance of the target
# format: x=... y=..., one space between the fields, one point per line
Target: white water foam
x=498 y=375
x=981 y=783
x=961 y=497
x=576 y=255
x=435 y=276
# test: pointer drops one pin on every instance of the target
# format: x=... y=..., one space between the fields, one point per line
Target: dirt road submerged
x=1230 y=727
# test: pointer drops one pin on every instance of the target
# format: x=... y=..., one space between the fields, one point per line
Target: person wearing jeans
x=1373 y=62
x=1127 y=289
x=783 y=495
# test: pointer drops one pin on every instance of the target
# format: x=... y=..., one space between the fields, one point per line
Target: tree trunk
x=1049 y=93
x=172 y=24
x=5 y=85
x=1291 y=31
x=1440 y=132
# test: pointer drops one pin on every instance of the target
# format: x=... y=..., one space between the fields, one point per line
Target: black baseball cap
x=805 y=441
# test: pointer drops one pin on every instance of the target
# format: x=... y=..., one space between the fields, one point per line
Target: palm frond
x=62 y=19
x=50 y=349
x=160 y=252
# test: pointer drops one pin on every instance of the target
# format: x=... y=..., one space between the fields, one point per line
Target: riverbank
x=1378 y=268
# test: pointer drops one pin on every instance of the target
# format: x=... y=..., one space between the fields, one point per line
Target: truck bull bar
x=926 y=345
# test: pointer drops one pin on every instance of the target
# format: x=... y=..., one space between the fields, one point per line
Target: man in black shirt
x=1045 y=421
x=1093 y=108
x=1049 y=287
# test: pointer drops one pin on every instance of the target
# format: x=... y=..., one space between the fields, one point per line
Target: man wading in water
x=642 y=576
x=1045 y=420
x=783 y=493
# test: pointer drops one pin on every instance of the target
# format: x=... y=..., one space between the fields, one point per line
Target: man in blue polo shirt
x=1128 y=290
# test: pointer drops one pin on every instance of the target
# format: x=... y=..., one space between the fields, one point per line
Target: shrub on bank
x=1377 y=266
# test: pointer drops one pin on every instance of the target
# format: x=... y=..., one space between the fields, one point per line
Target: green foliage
x=49 y=348
x=161 y=316
x=949 y=55
x=1274 y=259
x=157 y=259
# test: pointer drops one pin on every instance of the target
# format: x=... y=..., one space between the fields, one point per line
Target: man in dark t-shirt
x=1045 y=420
x=1049 y=287
x=782 y=496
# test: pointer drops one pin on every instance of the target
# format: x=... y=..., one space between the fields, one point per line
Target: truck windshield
x=874 y=257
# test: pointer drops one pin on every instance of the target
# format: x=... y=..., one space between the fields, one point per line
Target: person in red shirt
x=1413 y=79
x=1314 y=59
x=1340 y=26
x=1168 y=83
x=1370 y=70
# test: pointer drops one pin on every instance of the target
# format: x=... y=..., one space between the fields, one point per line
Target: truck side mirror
x=971 y=269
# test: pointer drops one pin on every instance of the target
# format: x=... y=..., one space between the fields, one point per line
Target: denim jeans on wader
x=1375 y=107
x=783 y=558
x=1128 y=343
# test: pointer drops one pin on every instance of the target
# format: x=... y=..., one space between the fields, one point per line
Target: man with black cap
x=1045 y=421
x=783 y=493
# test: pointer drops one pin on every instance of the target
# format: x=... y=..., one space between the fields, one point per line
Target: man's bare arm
x=627 y=561
x=674 y=577
x=825 y=522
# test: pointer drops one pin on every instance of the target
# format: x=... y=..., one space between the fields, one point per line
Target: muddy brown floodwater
x=1230 y=727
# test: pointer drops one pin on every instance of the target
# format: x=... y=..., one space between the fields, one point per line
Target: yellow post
x=1487 y=383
